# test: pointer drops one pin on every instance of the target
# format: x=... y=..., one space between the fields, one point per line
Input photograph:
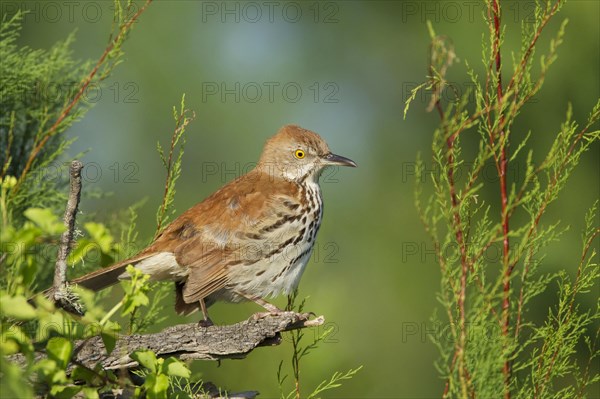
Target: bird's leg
x=269 y=306
x=206 y=322
x=271 y=309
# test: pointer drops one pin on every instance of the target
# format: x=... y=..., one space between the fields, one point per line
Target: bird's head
x=297 y=154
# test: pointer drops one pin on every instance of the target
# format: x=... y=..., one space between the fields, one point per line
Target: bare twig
x=66 y=239
x=60 y=272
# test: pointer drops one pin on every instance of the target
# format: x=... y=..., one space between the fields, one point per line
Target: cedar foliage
x=496 y=348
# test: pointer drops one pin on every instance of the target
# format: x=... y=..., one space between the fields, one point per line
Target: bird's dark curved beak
x=332 y=159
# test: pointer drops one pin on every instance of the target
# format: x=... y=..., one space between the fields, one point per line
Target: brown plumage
x=250 y=239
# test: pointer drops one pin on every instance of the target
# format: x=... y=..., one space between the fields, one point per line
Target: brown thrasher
x=250 y=239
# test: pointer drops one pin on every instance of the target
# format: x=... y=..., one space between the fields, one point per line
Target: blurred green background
x=344 y=70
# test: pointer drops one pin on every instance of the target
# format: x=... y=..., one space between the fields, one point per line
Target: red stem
x=460 y=346
x=503 y=142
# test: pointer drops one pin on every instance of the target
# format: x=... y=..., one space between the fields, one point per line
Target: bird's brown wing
x=213 y=236
x=207 y=271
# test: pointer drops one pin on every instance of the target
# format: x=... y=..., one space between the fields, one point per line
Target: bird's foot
x=206 y=323
x=307 y=315
x=262 y=315
x=301 y=316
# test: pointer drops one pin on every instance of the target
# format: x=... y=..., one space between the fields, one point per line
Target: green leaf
x=14 y=384
x=135 y=290
x=82 y=248
x=145 y=358
x=157 y=386
x=16 y=307
x=59 y=349
x=109 y=339
x=64 y=391
x=43 y=303
x=179 y=395
x=46 y=367
x=133 y=301
x=90 y=393
x=100 y=235
x=45 y=220
x=26 y=236
x=80 y=373
x=176 y=368
x=13 y=339
x=8 y=346
x=49 y=322
x=59 y=377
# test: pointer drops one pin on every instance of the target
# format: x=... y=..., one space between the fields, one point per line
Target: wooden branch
x=188 y=341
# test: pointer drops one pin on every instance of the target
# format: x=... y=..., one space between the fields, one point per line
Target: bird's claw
x=206 y=323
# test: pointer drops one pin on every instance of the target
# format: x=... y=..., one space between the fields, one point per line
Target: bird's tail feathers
x=98 y=279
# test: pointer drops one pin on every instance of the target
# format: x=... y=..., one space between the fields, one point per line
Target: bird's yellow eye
x=299 y=154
